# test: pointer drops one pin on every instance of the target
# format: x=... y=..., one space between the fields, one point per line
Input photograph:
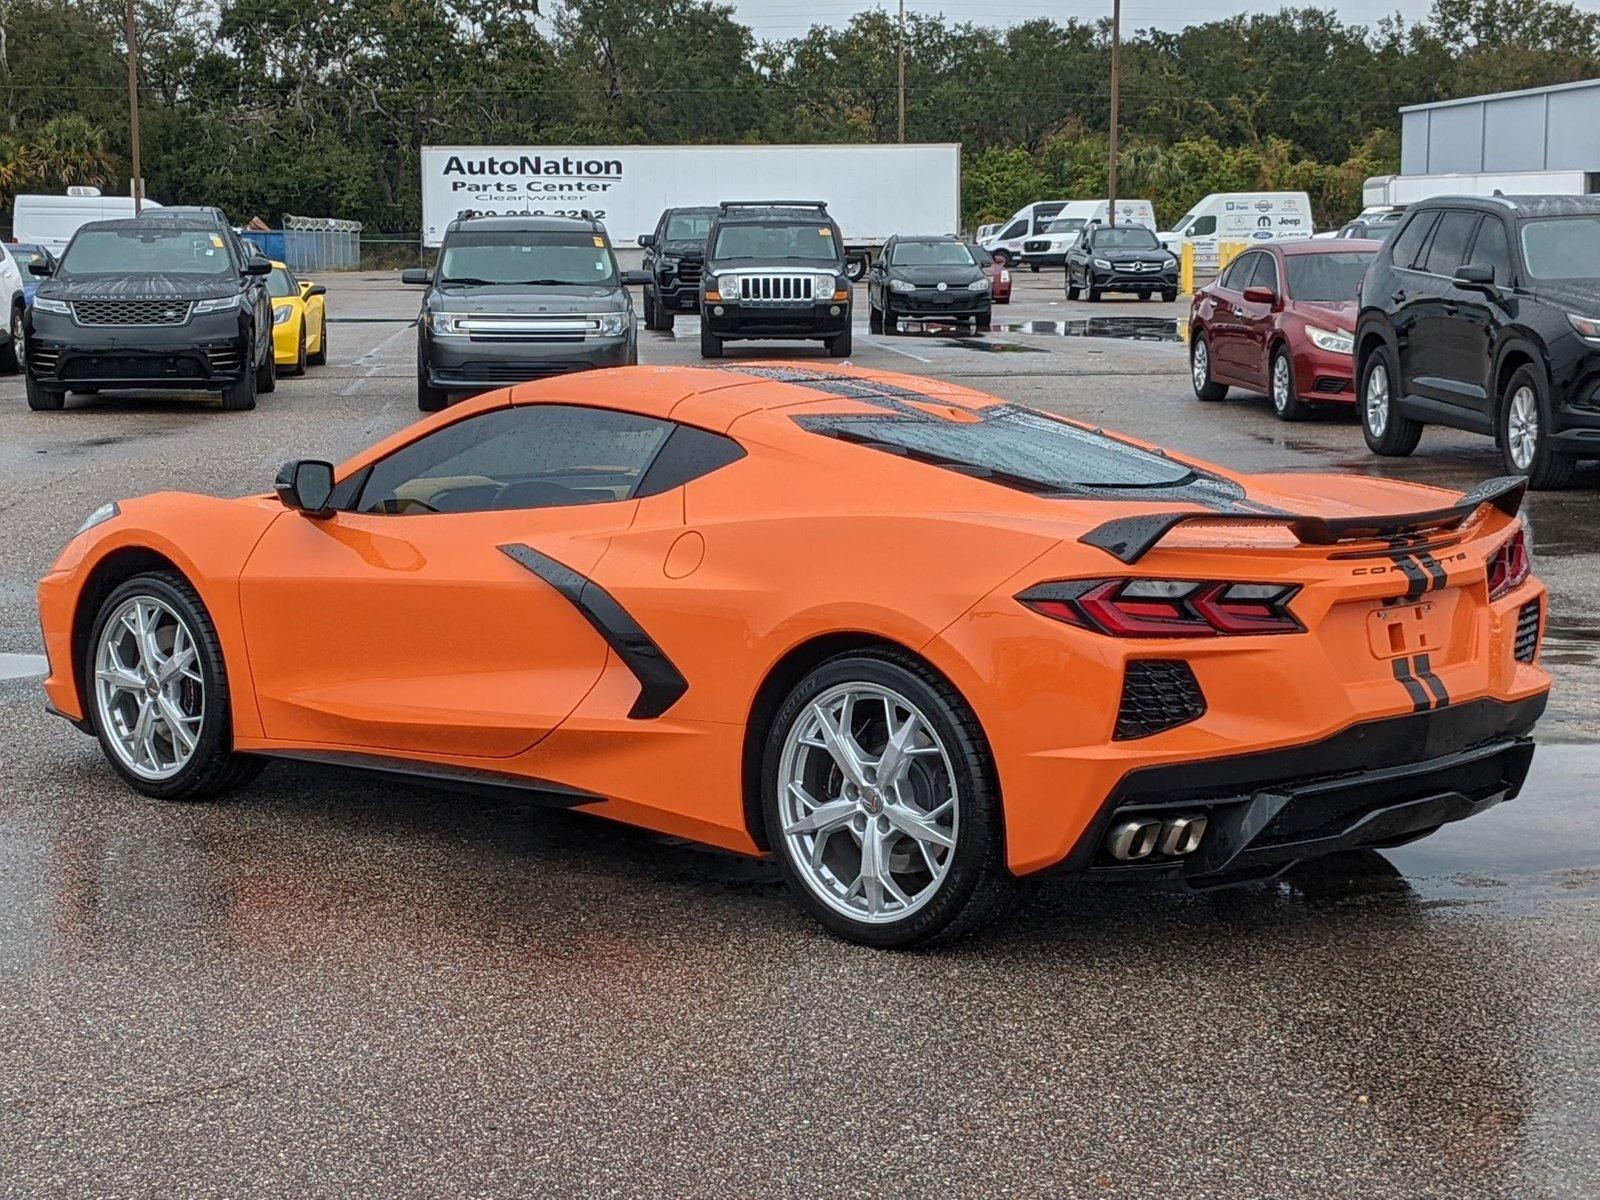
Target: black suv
x=1120 y=258
x=673 y=257
x=775 y=269
x=150 y=304
x=518 y=298
x=1483 y=313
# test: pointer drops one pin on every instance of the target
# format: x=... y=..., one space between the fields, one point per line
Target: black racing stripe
x=1416 y=577
x=1420 y=701
x=1435 y=685
x=1435 y=570
x=661 y=684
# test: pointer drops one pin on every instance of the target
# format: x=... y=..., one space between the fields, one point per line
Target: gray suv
x=513 y=298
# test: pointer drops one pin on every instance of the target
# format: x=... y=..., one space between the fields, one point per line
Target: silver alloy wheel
x=19 y=344
x=1377 y=401
x=868 y=803
x=1522 y=430
x=1200 y=364
x=148 y=687
x=1280 y=382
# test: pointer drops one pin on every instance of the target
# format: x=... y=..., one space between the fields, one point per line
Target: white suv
x=11 y=305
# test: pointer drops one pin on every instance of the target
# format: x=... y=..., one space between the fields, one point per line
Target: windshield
x=688 y=227
x=1327 y=277
x=25 y=254
x=523 y=257
x=1065 y=225
x=802 y=243
x=280 y=283
x=147 y=251
x=1125 y=237
x=930 y=254
x=1562 y=247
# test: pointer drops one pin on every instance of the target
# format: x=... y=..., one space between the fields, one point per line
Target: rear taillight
x=1166 y=607
x=1510 y=566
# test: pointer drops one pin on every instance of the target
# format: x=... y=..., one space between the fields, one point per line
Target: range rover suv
x=150 y=304
x=673 y=256
x=1483 y=313
x=775 y=269
x=513 y=298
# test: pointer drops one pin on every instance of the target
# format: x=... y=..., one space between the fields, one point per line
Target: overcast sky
x=790 y=18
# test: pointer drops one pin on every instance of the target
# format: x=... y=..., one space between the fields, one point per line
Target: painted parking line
x=23 y=666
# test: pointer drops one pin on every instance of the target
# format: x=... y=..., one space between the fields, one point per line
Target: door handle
x=1397 y=296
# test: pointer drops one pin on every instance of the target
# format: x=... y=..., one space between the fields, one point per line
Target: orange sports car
x=917 y=643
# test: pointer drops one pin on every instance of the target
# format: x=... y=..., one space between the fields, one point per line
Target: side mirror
x=316 y=289
x=647 y=240
x=635 y=278
x=306 y=484
x=418 y=275
x=1260 y=295
x=256 y=265
x=1476 y=277
x=44 y=269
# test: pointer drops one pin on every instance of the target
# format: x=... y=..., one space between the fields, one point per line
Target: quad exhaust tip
x=1171 y=837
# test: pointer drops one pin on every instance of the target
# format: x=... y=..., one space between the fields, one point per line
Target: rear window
x=1014 y=446
x=1328 y=277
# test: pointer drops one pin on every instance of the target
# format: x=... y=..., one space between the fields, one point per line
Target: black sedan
x=1120 y=258
x=927 y=279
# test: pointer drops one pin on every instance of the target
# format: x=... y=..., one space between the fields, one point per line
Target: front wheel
x=839 y=346
x=1387 y=430
x=159 y=691
x=874 y=319
x=710 y=343
x=41 y=398
x=1034 y=267
x=1169 y=294
x=1073 y=291
x=879 y=795
x=240 y=395
x=267 y=371
x=1524 y=433
x=1286 y=401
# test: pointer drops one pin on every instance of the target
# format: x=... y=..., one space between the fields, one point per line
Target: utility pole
x=900 y=71
x=137 y=184
x=1116 y=80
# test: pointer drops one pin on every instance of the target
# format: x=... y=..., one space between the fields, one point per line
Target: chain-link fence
x=321 y=243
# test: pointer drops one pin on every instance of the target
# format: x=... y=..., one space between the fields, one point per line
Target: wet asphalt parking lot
x=336 y=986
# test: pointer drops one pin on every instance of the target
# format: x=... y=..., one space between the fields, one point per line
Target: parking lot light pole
x=137 y=186
x=900 y=71
x=1116 y=79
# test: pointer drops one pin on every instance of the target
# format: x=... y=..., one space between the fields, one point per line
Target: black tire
x=1286 y=400
x=300 y=360
x=977 y=887
x=665 y=318
x=651 y=308
x=1400 y=433
x=1073 y=290
x=240 y=395
x=840 y=346
x=10 y=359
x=874 y=319
x=1144 y=294
x=1169 y=294
x=1003 y=257
x=214 y=768
x=1034 y=267
x=1092 y=294
x=1205 y=388
x=891 y=323
x=1545 y=470
x=430 y=399
x=984 y=323
x=710 y=343
x=320 y=358
x=41 y=398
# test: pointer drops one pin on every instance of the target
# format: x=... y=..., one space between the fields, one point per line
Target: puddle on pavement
x=1132 y=329
x=988 y=347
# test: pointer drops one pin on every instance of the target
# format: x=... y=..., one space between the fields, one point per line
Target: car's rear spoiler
x=1131 y=538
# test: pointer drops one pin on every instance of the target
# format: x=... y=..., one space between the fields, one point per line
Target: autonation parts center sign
x=628 y=186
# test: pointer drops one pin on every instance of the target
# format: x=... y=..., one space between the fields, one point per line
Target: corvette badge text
x=530 y=175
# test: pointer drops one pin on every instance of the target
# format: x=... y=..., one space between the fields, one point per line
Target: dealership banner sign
x=627 y=187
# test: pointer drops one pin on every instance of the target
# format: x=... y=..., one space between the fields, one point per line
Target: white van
x=1241 y=217
x=1025 y=223
x=50 y=221
x=1049 y=248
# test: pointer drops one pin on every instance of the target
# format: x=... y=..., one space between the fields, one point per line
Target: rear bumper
x=1374 y=784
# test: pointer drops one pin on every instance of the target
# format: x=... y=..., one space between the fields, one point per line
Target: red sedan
x=1281 y=319
x=994 y=266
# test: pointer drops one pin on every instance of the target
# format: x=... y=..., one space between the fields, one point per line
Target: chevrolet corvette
x=916 y=643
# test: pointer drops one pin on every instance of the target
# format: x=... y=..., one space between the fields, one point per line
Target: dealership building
x=1547 y=130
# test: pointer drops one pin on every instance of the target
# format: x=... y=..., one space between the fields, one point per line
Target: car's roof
x=523 y=224
x=693 y=208
x=931 y=237
x=1522 y=206
x=1321 y=246
x=766 y=214
x=183 y=225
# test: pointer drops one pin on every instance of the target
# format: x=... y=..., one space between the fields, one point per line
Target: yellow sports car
x=299 y=321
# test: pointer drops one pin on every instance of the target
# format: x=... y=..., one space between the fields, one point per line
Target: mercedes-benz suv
x=518 y=298
x=775 y=269
x=150 y=304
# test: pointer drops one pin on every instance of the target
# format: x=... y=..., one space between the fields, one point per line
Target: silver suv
x=518 y=298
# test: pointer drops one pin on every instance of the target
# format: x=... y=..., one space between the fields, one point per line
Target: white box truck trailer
x=50 y=221
x=871 y=191
x=1408 y=189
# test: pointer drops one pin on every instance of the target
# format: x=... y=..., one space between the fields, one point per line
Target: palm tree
x=68 y=150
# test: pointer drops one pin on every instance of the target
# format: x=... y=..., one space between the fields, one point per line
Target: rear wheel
x=159 y=692
x=1524 y=433
x=299 y=367
x=1003 y=257
x=1388 y=431
x=1200 y=370
x=710 y=343
x=41 y=398
x=15 y=349
x=1286 y=401
x=1034 y=267
x=320 y=357
x=880 y=803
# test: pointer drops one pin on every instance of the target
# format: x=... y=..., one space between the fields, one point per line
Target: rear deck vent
x=1528 y=632
x=1157 y=694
